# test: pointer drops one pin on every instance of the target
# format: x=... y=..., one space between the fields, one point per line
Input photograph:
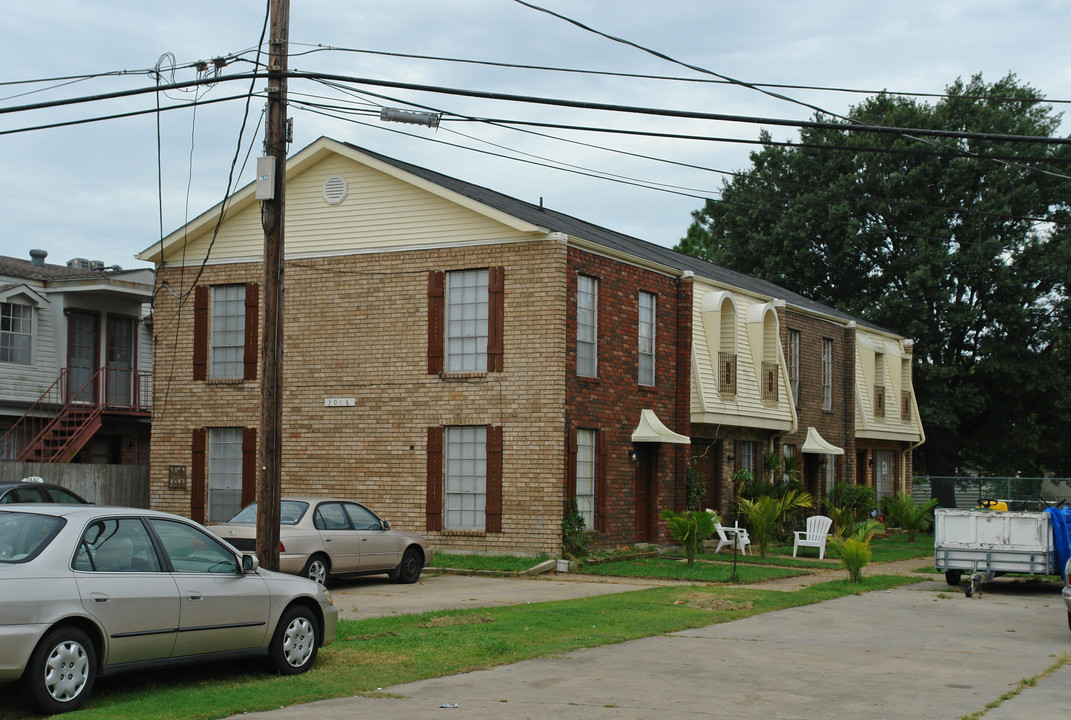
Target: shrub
x=576 y=540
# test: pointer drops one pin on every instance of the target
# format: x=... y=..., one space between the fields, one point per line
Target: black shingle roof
x=26 y=270
x=559 y=222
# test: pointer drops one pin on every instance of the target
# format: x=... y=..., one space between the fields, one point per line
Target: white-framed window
x=749 y=451
x=16 y=338
x=884 y=468
x=224 y=473
x=585 y=476
x=587 y=326
x=646 y=333
x=789 y=451
x=829 y=474
x=465 y=481
x=466 y=321
x=827 y=374
x=793 y=361
x=228 y=331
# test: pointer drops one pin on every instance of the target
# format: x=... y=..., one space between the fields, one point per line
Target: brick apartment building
x=465 y=362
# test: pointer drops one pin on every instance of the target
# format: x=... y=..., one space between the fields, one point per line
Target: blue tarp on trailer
x=1060 y=519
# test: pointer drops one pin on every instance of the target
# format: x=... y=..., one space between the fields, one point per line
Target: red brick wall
x=612 y=402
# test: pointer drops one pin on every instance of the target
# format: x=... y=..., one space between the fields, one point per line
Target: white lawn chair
x=814 y=536
x=726 y=537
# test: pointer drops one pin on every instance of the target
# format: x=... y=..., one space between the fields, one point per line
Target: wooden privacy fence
x=125 y=485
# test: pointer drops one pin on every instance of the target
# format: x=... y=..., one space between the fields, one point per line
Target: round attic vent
x=335 y=189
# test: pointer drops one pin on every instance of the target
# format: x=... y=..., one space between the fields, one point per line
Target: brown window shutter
x=249 y=465
x=737 y=447
x=252 y=326
x=200 y=332
x=198 y=474
x=570 y=468
x=436 y=319
x=493 y=499
x=433 y=507
x=602 y=452
x=495 y=297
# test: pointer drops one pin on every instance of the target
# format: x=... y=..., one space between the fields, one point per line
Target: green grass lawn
x=675 y=568
x=492 y=563
x=382 y=652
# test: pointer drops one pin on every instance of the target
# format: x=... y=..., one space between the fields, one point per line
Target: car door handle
x=99 y=597
x=194 y=596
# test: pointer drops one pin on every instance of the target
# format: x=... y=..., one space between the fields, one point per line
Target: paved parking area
x=924 y=651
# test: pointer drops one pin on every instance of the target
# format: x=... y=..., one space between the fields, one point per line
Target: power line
x=670 y=78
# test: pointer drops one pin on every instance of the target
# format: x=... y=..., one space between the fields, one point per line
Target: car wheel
x=295 y=643
x=408 y=570
x=317 y=568
x=61 y=671
x=1069 y=619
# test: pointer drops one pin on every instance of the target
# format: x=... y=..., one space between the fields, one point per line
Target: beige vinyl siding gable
x=746 y=408
x=868 y=345
x=370 y=218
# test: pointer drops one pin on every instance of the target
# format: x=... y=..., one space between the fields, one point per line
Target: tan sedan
x=322 y=537
x=87 y=591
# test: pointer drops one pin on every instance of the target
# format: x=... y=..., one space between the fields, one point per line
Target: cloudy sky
x=103 y=191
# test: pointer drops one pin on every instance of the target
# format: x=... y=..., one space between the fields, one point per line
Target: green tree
x=968 y=256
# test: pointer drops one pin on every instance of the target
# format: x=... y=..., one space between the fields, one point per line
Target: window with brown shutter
x=252 y=319
x=198 y=477
x=436 y=309
x=200 y=332
x=602 y=451
x=493 y=508
x=495 y=307
x=438 y=330
x=249 y=465
x=433 y=504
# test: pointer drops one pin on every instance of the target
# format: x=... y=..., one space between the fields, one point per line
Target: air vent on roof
x=96 y=264
x=78 y=263
x=335 y=189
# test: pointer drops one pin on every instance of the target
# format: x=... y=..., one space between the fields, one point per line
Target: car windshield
x=24 y=535
x=290 y=512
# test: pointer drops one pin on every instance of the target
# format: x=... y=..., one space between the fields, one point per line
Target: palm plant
x=854 y=550
x=908 y=515
x=764 y=515
x=690 y=528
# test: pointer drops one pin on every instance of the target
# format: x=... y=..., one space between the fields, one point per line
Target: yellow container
x=993 y=505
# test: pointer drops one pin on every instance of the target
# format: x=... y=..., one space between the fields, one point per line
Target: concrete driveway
x=924 y=651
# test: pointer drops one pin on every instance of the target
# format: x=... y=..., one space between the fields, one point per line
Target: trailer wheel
x=952 y=576
x=969 y=590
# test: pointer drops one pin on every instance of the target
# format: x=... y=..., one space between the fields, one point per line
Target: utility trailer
x=987 y=543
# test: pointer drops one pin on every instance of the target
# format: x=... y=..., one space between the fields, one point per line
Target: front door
x=709 y=462
x=646 y=487
x=81 y=357
x=120 y=354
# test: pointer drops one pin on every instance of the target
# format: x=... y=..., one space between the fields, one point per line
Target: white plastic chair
x=814 y=536
x=726 y=537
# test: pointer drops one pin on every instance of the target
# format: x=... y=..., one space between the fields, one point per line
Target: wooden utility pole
x=269 y=478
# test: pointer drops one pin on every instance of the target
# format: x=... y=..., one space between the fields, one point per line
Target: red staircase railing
x=63 y=419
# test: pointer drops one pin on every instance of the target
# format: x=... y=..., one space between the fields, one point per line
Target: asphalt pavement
x=922 y=651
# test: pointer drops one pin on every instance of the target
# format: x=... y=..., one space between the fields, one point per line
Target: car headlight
x=327 y=597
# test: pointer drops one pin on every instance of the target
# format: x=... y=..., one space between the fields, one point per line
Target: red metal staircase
x=63 y=419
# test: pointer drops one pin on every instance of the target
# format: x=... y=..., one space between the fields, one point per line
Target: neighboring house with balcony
x=75 y=362
x=466 y=362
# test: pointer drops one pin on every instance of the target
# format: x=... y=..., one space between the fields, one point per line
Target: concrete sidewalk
x=925 y=651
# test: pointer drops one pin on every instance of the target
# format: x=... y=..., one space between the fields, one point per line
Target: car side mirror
x=250 y=563
x=386 y=524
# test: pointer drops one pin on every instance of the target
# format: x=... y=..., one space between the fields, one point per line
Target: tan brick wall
x=356 y=326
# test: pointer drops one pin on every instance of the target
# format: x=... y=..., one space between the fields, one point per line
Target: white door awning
x=815 y=443
x=651 y=429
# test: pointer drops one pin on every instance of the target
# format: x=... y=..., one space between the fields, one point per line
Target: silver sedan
x=321 y=537
x=87 y=591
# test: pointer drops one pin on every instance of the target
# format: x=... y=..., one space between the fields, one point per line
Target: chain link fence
x=1020 y=493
